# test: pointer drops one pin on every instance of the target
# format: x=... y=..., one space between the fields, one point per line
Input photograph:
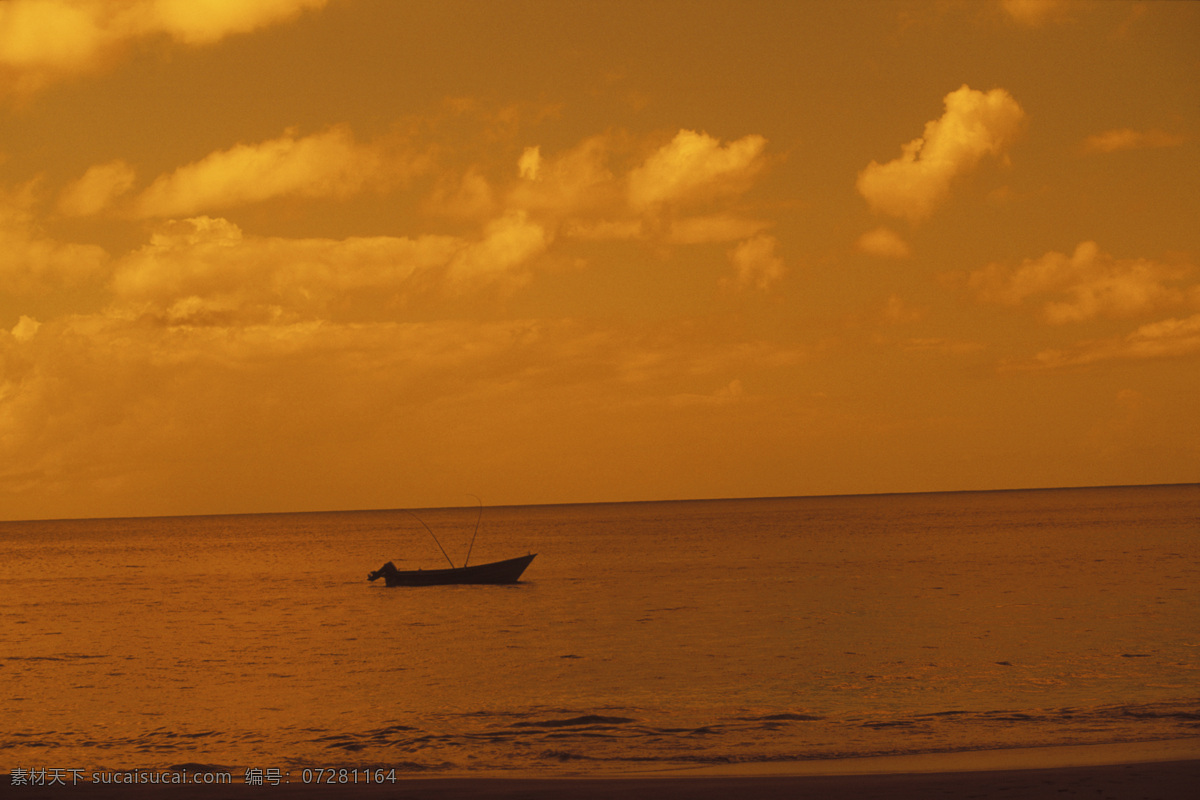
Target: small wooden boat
x=497 y=572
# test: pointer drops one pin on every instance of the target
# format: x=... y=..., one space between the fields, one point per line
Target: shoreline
x=1165 y=780
x=1163 y=769
x=982 y=760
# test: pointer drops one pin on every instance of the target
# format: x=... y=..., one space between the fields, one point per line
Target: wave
x=499 y=740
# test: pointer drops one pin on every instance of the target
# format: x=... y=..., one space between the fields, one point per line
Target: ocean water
x=643 y=636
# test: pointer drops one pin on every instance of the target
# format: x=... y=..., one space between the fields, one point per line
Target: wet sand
x=1063 y=772
x=1147 y=781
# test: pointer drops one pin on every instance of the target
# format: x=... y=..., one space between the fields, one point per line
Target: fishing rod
x=431 y=533
x=473 y=535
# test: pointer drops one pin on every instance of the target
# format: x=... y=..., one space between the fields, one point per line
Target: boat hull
x=496 y=572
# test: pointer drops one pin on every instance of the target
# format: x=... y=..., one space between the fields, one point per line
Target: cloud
x=508 y=244
x=755 y=262
x=577 y=194
x=604 y=229
x=326 y=164
x=37 y=35
x=33 y=263
x=732 y=392
x=1085 y=285
x=898 y=312
x=25 y=329
x=467 y=197
x=884 y=243
x=1129 y=139
x=206 y=271
x=206 y=21
x=530 y=163
x=1034 y=13
x=1169 y=338
x=97 y=190
x=941 y=345
x=102 y=401
x=713 y=228
x=695 y=167
x=575 y=182
x=42 y=41
x=975 y=125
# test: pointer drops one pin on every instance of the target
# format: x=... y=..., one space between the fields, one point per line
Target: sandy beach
x=1146 y=781
x=1064 y=772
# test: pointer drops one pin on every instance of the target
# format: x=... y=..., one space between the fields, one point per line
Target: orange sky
x=270 y=255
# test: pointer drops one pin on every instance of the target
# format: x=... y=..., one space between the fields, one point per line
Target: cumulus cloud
x=1169 y=338
x=326 y=164
x=604 y=229
x=975 y=125
x=207 y=271
x=884 y=243
x=680 y=195
x=732 y=392
x=1034 y=13
x=1084 y=285
x=529 y=163
x=575 y=182
x=508 y=244
x=695 y=166
x=97 y=190
x=113 y=400
x=755 y=263
x=896 y=311
x=42 y=41
x=32 y=262
x=469 y=196
x=207 y=21
x=1129 y=139
x=713 y=228
x=25 y=329
x=204 y=270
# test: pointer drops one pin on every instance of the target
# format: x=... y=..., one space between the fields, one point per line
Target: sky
x=293 y=255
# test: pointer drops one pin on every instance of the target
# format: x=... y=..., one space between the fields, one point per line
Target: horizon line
x=846 y=495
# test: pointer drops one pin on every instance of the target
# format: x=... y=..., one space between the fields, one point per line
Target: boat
x=496 y=572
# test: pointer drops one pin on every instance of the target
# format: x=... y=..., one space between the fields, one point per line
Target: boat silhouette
x=508 y=571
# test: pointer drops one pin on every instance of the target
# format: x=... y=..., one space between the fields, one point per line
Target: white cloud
x=756 y=264
x=1034 y=13
x=42 y=41
x=884 y=243
x=206 y=21
x=507 y=246
x=117 y=402
x=326 y=164
x=529 y=163
x=695 y=167
x=575 y=182
x=97 y=190
x=732 y=392
x=604 y=229
x=25 y=329
x=33 y=263
x=898 y=312
x=1128 y=139
x=50 y=34
x=713 y=228
x=1085 y=285
x=205 y=271
x=1169 y=338
x=467 y=197
x=975 y=125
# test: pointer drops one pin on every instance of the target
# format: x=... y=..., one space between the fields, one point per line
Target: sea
x=644 y=636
